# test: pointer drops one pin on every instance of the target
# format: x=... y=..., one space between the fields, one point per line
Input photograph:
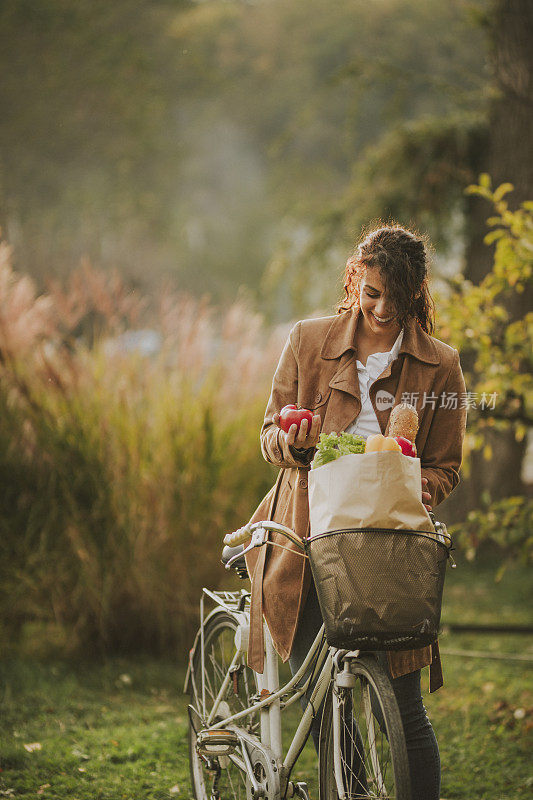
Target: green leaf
x=502 y=190
x=492 y=236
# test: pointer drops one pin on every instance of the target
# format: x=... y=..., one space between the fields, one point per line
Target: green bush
x=504 y=527
x=492 y=327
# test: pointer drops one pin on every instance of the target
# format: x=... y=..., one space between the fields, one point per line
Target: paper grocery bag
x=370 y=490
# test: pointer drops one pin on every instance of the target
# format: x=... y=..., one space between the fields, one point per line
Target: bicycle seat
x=240 y=565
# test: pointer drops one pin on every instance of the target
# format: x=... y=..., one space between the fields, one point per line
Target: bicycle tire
x=219 y=647
x=373 y=715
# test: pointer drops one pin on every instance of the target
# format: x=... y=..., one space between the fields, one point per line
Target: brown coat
x=317 y=370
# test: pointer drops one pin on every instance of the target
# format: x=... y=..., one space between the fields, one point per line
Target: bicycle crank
x=265 y=782
x=262 y=773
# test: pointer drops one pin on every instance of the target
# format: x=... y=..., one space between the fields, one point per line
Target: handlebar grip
x=239 y=536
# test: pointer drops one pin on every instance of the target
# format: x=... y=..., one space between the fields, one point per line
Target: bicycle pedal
x=216 y=743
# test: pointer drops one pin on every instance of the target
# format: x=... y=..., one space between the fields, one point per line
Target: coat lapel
x=418 y=344
x=340 y=343
x=404 y=372
x=345 y=400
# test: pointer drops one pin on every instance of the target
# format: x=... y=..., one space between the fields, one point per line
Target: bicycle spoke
x=223 y=665
x=208 y=688
x=231 y=784
x=211 y=661
x=365 y=757
x=218 y=671
x=350 y=751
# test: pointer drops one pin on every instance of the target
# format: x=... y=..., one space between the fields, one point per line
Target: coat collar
x=342 y=334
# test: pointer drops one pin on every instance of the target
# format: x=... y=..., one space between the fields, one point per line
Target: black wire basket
x=379 y=589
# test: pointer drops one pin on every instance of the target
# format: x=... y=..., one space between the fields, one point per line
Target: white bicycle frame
x=275 y=698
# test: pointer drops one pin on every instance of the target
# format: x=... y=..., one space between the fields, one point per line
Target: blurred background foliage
x=179 y=181
x=122 y=467
x=129 y=442
x=206 y=140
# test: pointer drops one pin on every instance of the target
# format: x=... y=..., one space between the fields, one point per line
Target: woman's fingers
x=308 y=434
x=426 y=496
x=315 y=428
x=305 y=435
x=301 y=438
x=289 y=435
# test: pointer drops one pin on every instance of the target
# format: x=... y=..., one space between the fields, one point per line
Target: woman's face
x=377 y=309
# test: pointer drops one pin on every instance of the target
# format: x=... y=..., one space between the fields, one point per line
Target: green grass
x=113 y=730
x=476 y=593
x=116 y=730
x=484 y=741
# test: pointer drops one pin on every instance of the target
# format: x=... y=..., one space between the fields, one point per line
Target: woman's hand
x=426 y=496
x=300 y=438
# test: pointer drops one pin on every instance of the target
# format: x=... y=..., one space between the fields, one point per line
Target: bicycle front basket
x=379 y=589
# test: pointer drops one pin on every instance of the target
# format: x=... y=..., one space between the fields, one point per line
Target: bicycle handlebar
x=258 y=531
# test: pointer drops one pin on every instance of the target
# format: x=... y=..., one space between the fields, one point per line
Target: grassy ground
x=117 y=730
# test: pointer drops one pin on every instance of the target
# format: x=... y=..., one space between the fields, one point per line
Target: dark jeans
x=422 y=747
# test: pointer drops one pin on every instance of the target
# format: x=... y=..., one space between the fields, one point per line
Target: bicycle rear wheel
x=373 y=755
x=219 y=650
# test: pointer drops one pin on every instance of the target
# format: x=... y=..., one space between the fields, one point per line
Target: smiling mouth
x=382 y=320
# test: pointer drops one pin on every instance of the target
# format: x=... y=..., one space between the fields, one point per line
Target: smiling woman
x=377 y=307
x=379 y=344
x=390 y=264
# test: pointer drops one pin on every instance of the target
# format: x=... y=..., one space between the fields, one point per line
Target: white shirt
x=367 y=423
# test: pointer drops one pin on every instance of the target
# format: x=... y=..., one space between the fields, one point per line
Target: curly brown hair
x=401 y=256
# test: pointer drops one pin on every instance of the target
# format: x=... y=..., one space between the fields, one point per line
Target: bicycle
x=235 y=714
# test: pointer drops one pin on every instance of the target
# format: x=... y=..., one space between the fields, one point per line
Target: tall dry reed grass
x=120 y=472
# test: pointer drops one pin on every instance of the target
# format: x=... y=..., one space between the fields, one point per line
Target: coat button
x=303 y=483
x=318 y=397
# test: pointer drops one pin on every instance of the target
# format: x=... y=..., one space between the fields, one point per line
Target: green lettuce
x=331 y=446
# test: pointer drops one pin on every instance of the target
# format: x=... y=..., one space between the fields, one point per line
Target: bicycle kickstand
x=301 y=790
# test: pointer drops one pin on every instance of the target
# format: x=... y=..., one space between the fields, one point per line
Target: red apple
x=408 y=448
x=292 y=415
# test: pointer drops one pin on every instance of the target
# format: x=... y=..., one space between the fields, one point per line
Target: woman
x=350 y=370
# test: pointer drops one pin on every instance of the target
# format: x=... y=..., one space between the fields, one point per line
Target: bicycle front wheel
x=369 y=744
x=219 y=650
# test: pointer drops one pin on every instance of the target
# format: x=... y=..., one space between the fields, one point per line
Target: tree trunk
x=509 y=159
x=510 y=150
